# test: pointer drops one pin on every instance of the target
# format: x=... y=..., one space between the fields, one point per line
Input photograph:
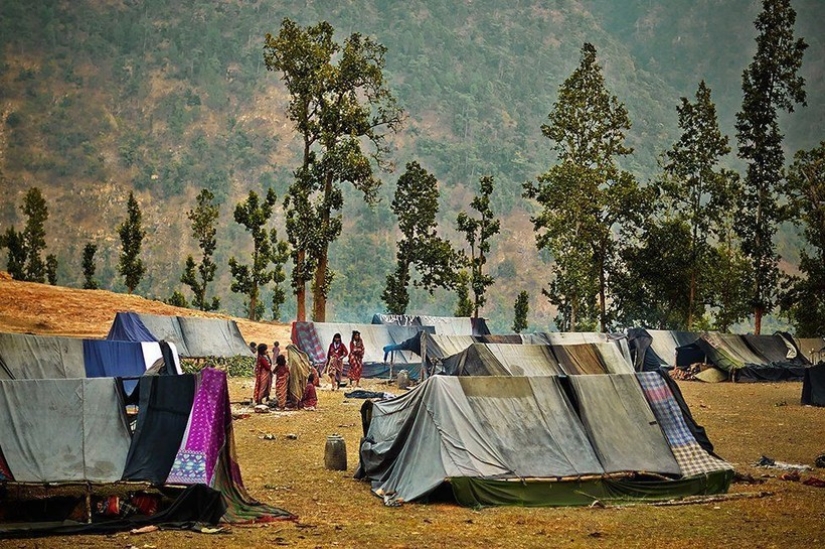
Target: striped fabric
x=305 y=338
x=692 y=459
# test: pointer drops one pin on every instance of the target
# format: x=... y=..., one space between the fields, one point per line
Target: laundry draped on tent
x=194 y=337
x=534 y=441
x=75 y=431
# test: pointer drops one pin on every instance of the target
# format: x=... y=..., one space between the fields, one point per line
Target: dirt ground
x=744 y=422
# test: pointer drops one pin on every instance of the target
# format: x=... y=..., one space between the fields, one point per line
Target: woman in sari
x=310 y=399
x=335 y=360
x=263 y=376
x=356 y=358
x=281 y=380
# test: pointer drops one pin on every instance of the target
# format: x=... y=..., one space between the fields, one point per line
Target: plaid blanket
x=305 y=338
x=692 y=459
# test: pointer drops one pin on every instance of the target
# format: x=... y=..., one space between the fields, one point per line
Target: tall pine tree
x=803 y=300
x=416 y=205
x=770 y=83
x=130 y=265
x=478 y=231
x=198 y=276
x=89 y=267
x=254 y=214
x=585 y=194
x=696 y=190
x=34 y=234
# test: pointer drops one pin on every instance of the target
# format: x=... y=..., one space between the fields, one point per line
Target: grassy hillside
x=97 y=98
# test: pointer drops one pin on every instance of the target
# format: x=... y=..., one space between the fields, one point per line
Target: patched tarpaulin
x=753 y=358
x=212 y=337
x=63 y=430
x=495 y=359
x=40 y=357
x=621 y=425
x=465 y=427
x=193 y=337
x=665 y=343
x=591 y=358
x=443 y=325
x=129 y=327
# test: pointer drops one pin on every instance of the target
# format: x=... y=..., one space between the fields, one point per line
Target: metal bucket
x=335 y=453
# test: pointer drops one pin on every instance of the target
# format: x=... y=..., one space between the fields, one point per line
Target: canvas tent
x=435 y=348
x=748 y=358
x=183 y=437
x=812 y=348
x=443 y=325
x=813 y=385
x=503 y=359
x=24 y=356
x=194 y=337
x=535 y=441
x=654 y=349
x=313 y=338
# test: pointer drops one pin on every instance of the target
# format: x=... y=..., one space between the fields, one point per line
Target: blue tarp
x=114 y=359
x=129 y=327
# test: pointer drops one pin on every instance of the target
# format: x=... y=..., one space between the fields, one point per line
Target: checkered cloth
x=305 y=338
x=692 y=458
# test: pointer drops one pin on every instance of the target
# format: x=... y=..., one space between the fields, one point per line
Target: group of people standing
x=264 y=371
x=334 y=368
x=335 y=359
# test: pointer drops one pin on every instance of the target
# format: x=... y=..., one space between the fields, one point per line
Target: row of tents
x=70 y=427
x=431 y=345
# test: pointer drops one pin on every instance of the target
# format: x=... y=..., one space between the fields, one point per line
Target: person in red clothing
x=263 y=376
x=281 y=380
x=356 y=358
x=335 y=360
x=310 y=399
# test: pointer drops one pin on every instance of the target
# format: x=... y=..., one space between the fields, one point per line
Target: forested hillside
x=166 y=98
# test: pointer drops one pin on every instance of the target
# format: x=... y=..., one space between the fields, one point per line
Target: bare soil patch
x=744 y=422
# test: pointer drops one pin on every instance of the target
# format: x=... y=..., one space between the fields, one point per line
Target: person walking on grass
x=356 y=358
x=335 y=360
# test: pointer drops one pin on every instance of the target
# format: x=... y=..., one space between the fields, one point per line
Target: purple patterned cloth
x=205 y=433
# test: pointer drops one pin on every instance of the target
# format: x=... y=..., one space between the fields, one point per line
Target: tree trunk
x=757 y=320
x=602 y=284
x=301 y=293
x=319 y=297
x=574 y=309
x=253 y=302
x=691 y=299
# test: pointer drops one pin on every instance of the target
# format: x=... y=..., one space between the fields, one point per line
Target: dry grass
x=744 y=421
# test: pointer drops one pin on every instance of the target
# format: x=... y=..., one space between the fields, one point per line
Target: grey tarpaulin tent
x=194 y=337
x=535 y=441
x=505 y=359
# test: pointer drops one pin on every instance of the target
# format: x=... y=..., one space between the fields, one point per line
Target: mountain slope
x=97 y=98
